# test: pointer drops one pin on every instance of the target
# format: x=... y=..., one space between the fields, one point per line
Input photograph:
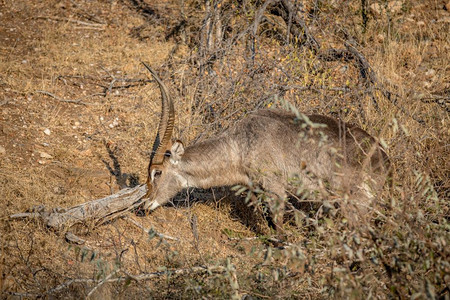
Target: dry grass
x=404 y=252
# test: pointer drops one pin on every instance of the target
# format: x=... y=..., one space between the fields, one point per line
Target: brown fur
x=268 y=148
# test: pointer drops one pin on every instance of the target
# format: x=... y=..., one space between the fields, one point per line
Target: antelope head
x=165 y=154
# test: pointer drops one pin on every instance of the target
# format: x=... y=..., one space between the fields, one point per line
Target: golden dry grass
x=41 y=49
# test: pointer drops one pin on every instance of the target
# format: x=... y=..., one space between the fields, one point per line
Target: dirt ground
x=78 y=118
x=54 y=150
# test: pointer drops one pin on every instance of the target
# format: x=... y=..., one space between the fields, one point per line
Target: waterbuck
x=271 y=148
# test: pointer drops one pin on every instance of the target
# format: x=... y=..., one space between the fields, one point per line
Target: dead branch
x=285 y=87
x=256 y=22
x=443 y=102
x=77 y=101
x=149 y=231
x=73 y=239
x=145 y=10
x=365 y=70
x=351 y=53
x=366 y=73
x=371 y=81
x=97 y=211
x=78 y=22
x=297 y=26
x=86 y=14
x=139 y=277
x=102 y=283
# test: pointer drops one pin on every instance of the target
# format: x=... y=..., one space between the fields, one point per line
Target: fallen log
x=95 y=212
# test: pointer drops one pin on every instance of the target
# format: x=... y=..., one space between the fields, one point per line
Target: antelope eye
x=156 y=174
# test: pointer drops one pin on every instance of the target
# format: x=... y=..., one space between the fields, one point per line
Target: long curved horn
x=166 y=123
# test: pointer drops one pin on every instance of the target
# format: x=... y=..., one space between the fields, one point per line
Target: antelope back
x=277 y=143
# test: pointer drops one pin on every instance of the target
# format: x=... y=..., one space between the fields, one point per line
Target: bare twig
x=365 y=69
x=86 y=14
x=77 y=101
x=296 y=20
x=139 y=277
x=210 y=269
x=263 y=238
x=367 y=74
x=23 y=295
x=88 y=28
x=312 y=88
x=72 y=238
x=102 y=283
x=78 y=22
x=245 y=238
x=258 y=17
x=31 y=215
x=443 y=102
x=147 y=11
x=148 y=231
x=348 y=54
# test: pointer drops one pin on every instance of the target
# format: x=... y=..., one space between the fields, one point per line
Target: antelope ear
x=177 y=151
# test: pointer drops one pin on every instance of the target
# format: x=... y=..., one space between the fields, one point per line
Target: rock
x=2 y=150
x=47 y=131
x=45 y=155
x=430 y=73
x=421 y=23
x=114 y=123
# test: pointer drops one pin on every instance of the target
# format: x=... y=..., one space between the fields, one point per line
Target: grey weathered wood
x=96 y=211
